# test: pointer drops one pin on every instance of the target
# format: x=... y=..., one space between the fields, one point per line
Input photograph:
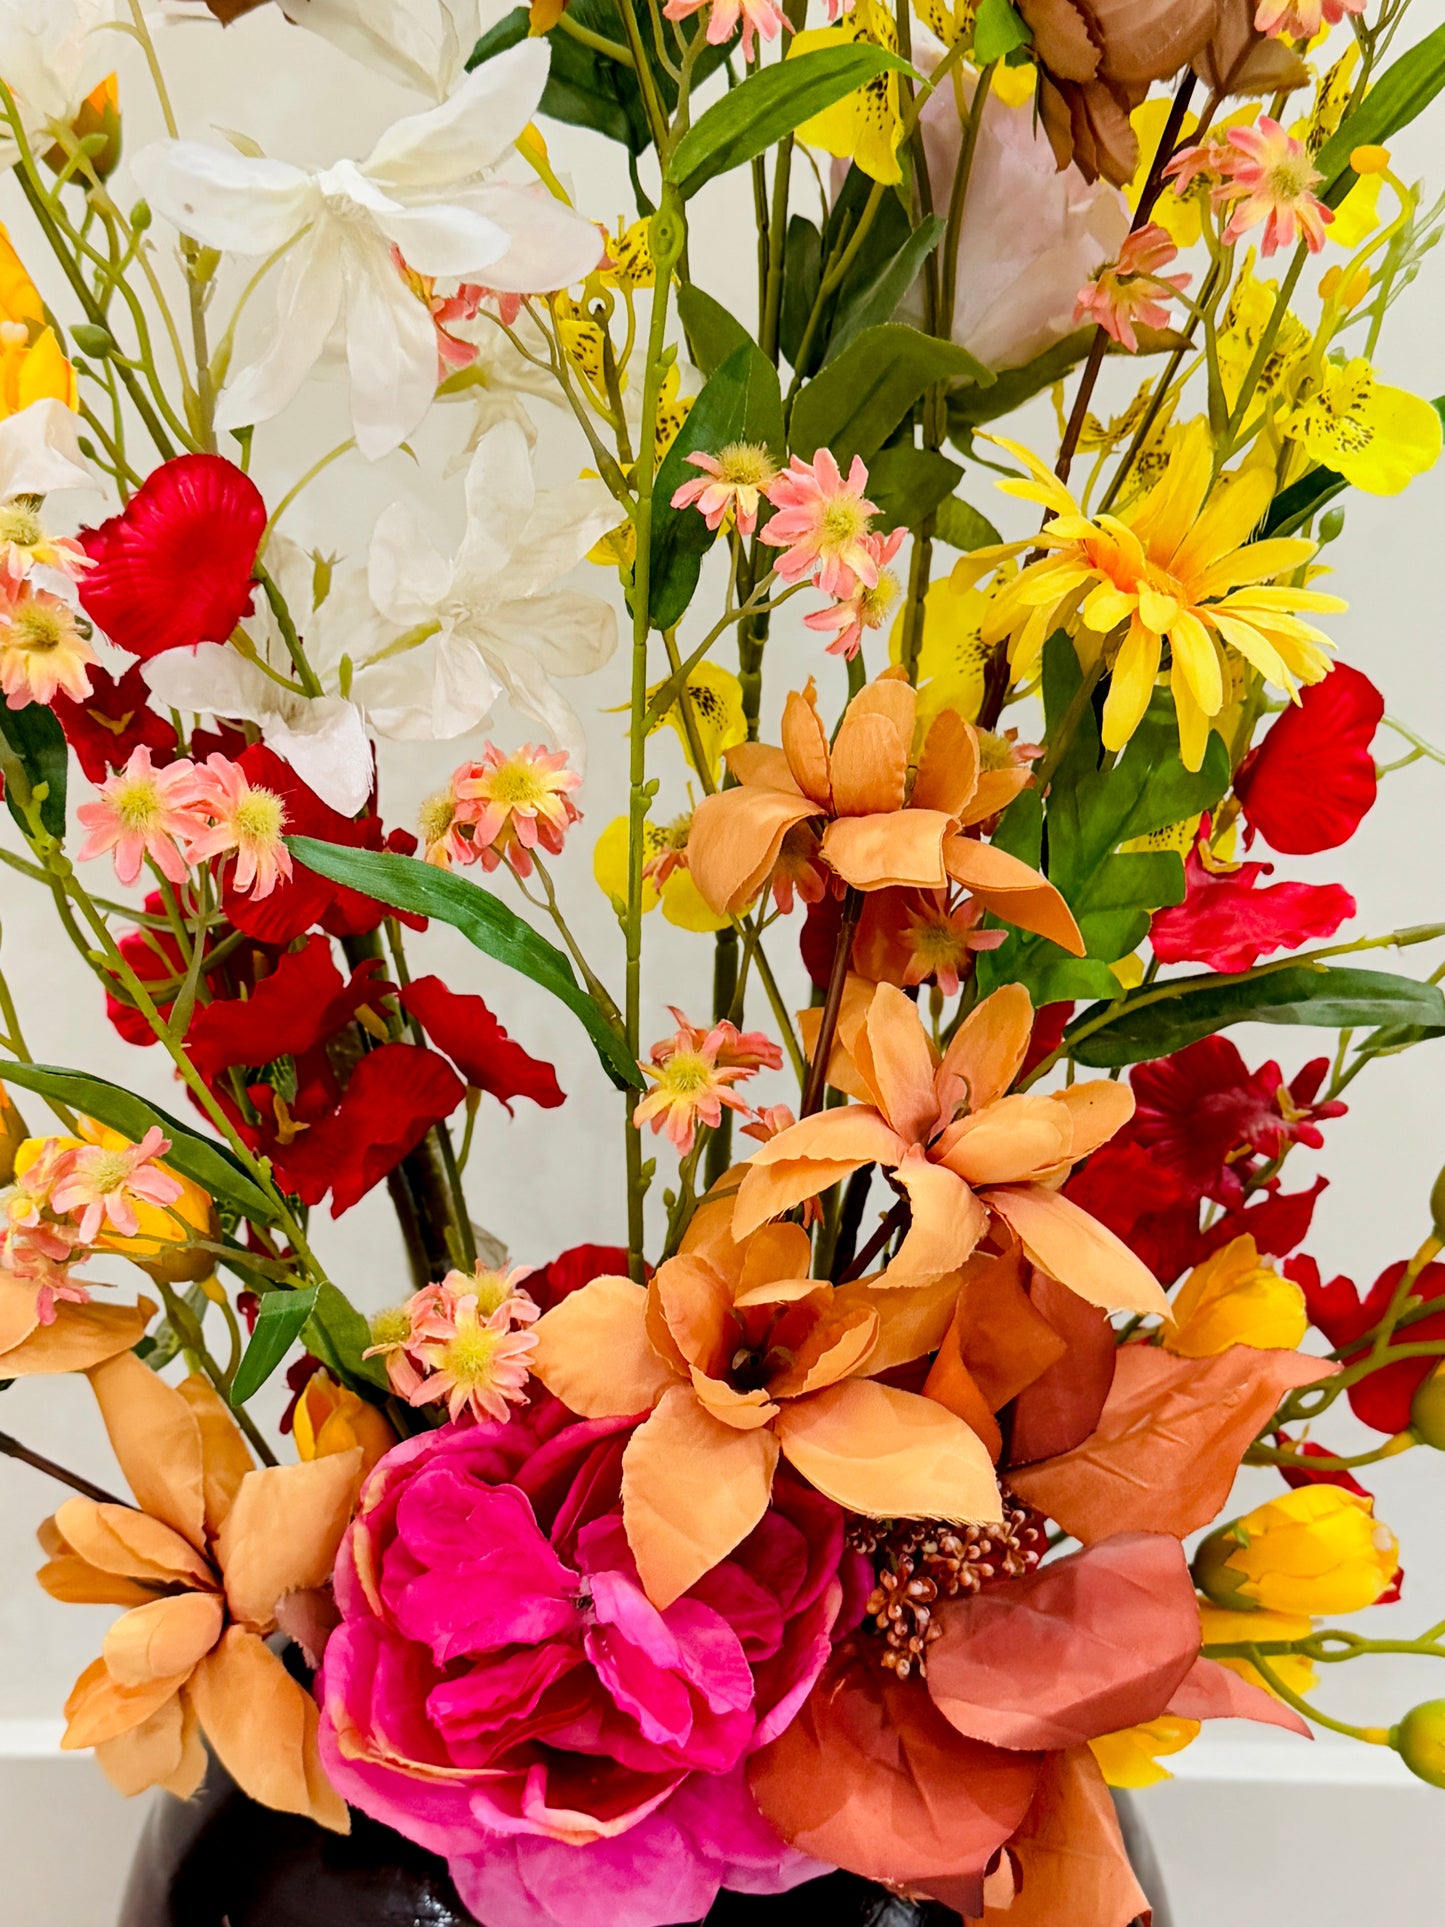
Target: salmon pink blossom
x=1259 y=174
x=694 y=1071
x=1133 y=287
x=42 y=650
x=456 y=1341
x=102 y=1184
x=143 y=812
x=866 y=605
x=516 y=804
x=733 y=482
x=822 y=524
x=763 y=17
x=1302 y=19
x=245 y=819
x=25 y=544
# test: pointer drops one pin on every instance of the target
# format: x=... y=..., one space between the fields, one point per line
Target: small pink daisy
x=1302 y=19
x=864 y=607
x=41 y=647
x=694 y=1071
x=1133 y=288
x=516 y=804
x=245 y=819
x=1270 y=180
x=101 y=1184
x=25 y=544
x=474 y=1358
x=763 y=17
x=735 y=480
x=822 y=524
x=143 y=812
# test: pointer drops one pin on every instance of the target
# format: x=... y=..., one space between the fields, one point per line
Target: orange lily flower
x=738 y=1356
x=882 y=829
x=962 y=1150
x=202 y=1563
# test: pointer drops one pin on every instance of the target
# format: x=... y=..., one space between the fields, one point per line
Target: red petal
x=471 y=1036
x=1214 y=1692
x=1298 y=1475
x=574 y=1269
x=1229 y=924
x=395 y=1095
x=1277 y=1222
x=1312 y=779
x=301 y=1004
x=174 y=567
x=114 y=719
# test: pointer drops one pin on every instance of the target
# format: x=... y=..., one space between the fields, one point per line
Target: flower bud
x=1369 y=159
x=1427 y=1410
x=1332 y=526
x=1316 y=1550
x=97 y=129
x=1235 y=1298
x=12 y=1135
x=93 y=340
x=1419 y=1740
x=329 y=1418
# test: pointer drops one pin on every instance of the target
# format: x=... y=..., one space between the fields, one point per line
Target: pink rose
x=501 y=1690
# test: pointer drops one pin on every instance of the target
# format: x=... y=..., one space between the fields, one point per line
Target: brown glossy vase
x=222 y=1861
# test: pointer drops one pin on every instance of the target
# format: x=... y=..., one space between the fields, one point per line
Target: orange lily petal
x=692 y=1489
x=995 y=790
x=263 y=1726
x=948 y=770
x=840 y=1343
x=889 y=1454
x=948 y=1221
x=893 y=697
x=989 y=1046
x=594 y=1353
x=1011 y=1140
x=1003 y=1339
x=81 y=1336
x=895 y=1061
x=157 y=1440
x=912 y=1320
x=843 y=1072
x=163 y=1639
x=283 y=1532
x=735 y=839
x=760 y=764
x=117 y=1539
x=741 y=1411
x=99 y=1707
x=1077 y=1250
x=897 y=847
x=806 y=1159
x=952 y=1385
x=1013 y=891
x=870 y=766
x=163 y=1751
x=1070 y=1846
x=774 y=1253
x=1099 y=1109
x=805 y=745
x=225 y=1455
x=696 y=1304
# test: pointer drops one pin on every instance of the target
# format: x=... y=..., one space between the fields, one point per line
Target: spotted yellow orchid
x=666 y=879
x=1378 y=437
x=715 y=700
x=864 y=127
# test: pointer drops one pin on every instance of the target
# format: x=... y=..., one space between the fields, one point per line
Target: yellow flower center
x=844 y=522
x=687 y=1074
x=38 y=627
x=994 y=751
x=874 y=603
x=109 y=1171
x=137 y=805
x=438 y=813
x=519 y=785
x=19 y=526
x=470 y=1356
x=745 y=465
x=1289 y=179
x=936 y=942
x=260 y=817
x=392 y=1326
x=491 y=1291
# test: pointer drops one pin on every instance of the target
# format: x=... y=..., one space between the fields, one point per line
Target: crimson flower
x=465 y=1029
x=1381 y=1399
x=114 y=719
x=573 y=1269
x=1311 y=781
x=1229 y=923
x=298 y=1008
x=174 y=567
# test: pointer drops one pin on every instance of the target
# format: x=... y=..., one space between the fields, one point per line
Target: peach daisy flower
x=143 y=812
x=41 y=647
x=822 y=524
x=25 y=545
x=102 y=1184
x=1132 y=288
x=475 y=1360
x=694 y=1072
x=246 y=819
x=866 y=606
x=1302 y=19
x=763 y=17
x=517 y=803
x=1259 y=173
x=735 y=480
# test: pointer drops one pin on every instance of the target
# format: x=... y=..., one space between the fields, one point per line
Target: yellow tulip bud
x=1221 y=1627
x=12 y=1135
x=1131 y=1758
x=1419 y=1740
x=1355 y=289
x=1235 y=1299
x=329 y=1418
x=1369 y=159
x=1316 y=1550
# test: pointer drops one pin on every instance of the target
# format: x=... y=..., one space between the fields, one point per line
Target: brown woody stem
x=817 y=1082
x=37 y=1461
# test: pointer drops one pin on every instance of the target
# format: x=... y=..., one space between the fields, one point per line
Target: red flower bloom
x=574 y=1269
x=304 y=1002
x=1381 y=1399
x=1309 y=783
x=114 y=719
x=1229 y=924
x=174 y=567
x=1277 y=1221
x=464 y=1028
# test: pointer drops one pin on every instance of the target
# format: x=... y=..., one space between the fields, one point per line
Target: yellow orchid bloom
x=1378 y=437
x=715 y=698
x=952 y=653
x=864 y=127
x=32 y=368
x=1246 y=316
x=1131 y=1758
x=1234 y=1298
x=666 y=878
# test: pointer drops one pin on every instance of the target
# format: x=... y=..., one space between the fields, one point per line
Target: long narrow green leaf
x=406 y=883
x=215 y=1168
x=770 y=104
x=278 y=1326
x=1400 y=95
x=339 y=1336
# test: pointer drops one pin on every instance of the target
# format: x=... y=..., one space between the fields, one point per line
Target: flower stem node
x=1419 y=1740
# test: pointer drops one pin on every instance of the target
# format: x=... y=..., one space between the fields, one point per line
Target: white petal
x=566 y=633
x=213 y=680
x=469 y=132
x=39 y=451
x=391 y=350
x=442 y=690
x=448 y=239
x=551 y=246
x=405 y=575
x=325 y=742
x=563 y=526
x=395 y=38
x=225 y=199
x=307 y=303
x=500 y=491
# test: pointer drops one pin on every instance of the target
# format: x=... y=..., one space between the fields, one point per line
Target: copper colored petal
x=283 y=1532
x=1071 y=1859
x=988 y=1048
x=157 y=1440
x=951 y=1385
x=870 y=1777
x=1019 y=895
x=895 y=1060
x=843 y=1072
x=692 y=1489
x=774 y=1252
x=1083 y=1646
x=739 y=1411
x=1061 y=38
x=1210 y=1691
x=82 y=1336
x=840 y=1343
x=912 y=1321
x=900 y=847
x=995 y=790
x=1075 y=1248
x=805 y=1159
x=889 y=1454
x=1005 y=1341
x=892 y=696
x=805 y=744
x=593 y=1351
x=117 y=1539
x=1098 y=1109
x=762 y=765
x=225 y=1455
x=162 y=1639
x=948 y=771
x=263 y=1727
x=1169 y=1441
x=1060 y=1408
x=870 y=766
x=735 y=840
x=1146 y=40
x=1008 y=1142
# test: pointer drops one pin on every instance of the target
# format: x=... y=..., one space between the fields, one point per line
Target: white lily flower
x=496 y=381
x=323 y=738
x=40 y=451
x=421 y=190
x=50 y=58
x=423 y=44
x=490 y=620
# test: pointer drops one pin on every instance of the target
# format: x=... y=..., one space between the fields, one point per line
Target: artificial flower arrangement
x=830 y=1511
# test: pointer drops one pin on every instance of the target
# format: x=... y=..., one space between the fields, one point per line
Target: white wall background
x=1257 y=1830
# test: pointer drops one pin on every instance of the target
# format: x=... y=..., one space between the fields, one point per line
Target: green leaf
x=406 y=883
x=213 y=1166
x=1330 y=999
x=770 y=103
x=865 y=303
x=1092 y=809
x=35 y=736
x=741 y=402
x=908 y=483
x=1012 y=387
x=1400 y=95
x=997 y=30
x=802 y=275
x=338 y=1335
x=713 y=331
x=857 y=401
x=961 y=526
x=278 y=1326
